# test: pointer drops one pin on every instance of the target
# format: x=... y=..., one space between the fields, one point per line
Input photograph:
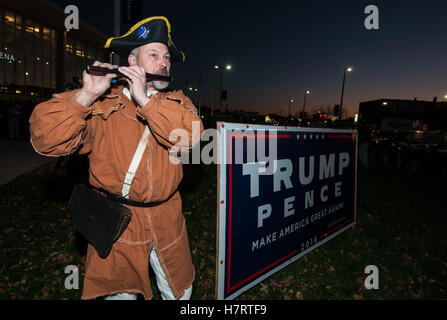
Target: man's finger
x=107 y=65
x=137 y=69
x=111 y=66
x=129 y=72
x=128 y=81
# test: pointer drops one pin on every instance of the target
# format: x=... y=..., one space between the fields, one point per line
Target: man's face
x=154 y=58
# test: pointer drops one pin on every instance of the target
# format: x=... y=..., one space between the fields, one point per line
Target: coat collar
x=109 y=102
x=113 y=100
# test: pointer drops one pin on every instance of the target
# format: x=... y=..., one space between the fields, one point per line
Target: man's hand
x=94 y=86
x=137 y=83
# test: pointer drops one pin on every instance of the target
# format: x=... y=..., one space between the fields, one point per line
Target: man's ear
x=132 y=60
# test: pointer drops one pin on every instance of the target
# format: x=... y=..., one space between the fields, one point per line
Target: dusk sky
x=277 y=49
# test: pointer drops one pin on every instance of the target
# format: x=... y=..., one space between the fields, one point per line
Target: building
x=392 y=114
x=38 y=56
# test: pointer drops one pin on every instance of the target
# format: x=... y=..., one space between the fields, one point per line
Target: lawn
x=401 y=223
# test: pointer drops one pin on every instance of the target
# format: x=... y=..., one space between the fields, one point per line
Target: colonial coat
x=109 y=132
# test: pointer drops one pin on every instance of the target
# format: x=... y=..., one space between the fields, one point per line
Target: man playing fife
x=108 y=124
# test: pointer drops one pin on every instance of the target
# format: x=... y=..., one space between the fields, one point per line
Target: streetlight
x=193 y=96
x=221 y=68
x=306 y=92
x=288 y=113
x=347 y=69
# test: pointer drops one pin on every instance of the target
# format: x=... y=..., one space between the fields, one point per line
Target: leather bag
x=100 y=220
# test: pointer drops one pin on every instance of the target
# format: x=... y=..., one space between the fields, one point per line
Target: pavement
x=18 y=157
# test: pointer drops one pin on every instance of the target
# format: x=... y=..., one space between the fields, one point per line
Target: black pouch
x=100 y=220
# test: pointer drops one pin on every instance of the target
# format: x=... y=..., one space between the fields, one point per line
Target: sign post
x=283 y=191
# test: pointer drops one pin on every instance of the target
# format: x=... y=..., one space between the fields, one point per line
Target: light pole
x=290 y=102
x=193 y=96
x=200 y=91
x=221 y=68
x=213 y=101
x=347 y=69
x=116 y=27
x=306 y=92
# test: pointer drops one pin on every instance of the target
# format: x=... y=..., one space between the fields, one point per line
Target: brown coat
x=109 y=132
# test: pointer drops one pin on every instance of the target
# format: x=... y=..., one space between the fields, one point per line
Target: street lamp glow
x=347 y=69
x=290 y=103
x=445 y=96
x=306 y=92
x=222 y=69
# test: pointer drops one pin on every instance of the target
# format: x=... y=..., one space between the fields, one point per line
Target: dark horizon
x=279 y=49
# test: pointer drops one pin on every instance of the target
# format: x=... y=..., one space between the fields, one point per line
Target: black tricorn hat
x=153 y=29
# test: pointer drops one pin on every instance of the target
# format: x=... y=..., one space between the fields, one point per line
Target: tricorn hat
x=153 y=29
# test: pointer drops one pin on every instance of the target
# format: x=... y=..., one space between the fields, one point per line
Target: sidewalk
x=18 y=157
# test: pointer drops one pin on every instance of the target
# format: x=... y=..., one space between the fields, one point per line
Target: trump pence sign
x=283 y=191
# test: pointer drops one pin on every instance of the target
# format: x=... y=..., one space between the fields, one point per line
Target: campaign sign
x=283 y=191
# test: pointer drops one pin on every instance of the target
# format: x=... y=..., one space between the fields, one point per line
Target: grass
x=401 y=223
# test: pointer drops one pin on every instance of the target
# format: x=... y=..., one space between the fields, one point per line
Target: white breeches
x=162 y=284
